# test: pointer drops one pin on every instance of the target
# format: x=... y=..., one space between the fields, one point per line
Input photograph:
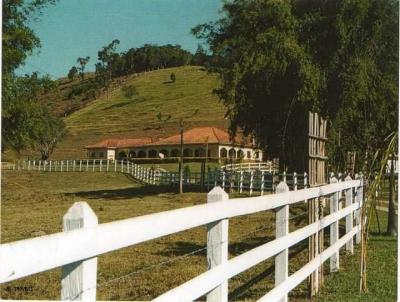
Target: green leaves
x=278 y=59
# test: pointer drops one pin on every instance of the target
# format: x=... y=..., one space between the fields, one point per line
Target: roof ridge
x=215 y=134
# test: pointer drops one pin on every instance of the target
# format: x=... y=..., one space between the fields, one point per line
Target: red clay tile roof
x=200 y=135
x=120 y=143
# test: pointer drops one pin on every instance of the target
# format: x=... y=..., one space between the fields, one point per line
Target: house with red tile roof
x=198 y=142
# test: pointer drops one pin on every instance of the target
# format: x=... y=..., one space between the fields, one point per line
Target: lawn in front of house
x=33 y=203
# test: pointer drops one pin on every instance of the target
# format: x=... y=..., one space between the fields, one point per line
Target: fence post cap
x=217 y=194
x=81 y=210
x=333 y=180
x=282 y=187
x=348 y=177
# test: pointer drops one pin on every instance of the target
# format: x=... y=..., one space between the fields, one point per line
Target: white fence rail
x=83 y=240
x=267 y=166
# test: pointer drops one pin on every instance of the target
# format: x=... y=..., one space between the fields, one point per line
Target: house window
x=248 y=154
x=93 y=154
x=101 y=154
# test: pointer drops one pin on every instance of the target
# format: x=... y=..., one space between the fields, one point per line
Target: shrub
x=129 y=91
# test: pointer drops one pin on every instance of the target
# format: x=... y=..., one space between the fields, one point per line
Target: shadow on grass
x=240 y=293
x=118 y=105
x=126 y=193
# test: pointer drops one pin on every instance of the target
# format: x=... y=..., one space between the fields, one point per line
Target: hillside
x=129 y=117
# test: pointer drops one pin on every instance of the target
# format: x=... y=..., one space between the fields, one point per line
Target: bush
x=173 y=77
x=129 y=91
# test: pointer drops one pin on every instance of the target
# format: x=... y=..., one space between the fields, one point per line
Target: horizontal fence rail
x=80 y=246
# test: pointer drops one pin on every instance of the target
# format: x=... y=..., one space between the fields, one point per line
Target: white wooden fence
x=253 y=181
x=76 y=249
x=261 y=166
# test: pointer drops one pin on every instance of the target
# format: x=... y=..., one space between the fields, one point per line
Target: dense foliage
x=278 y=59
x=23 y=116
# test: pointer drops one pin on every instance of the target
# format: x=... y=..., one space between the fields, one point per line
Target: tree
x=49 y=131
x=173 y=77
x=72 y=73
x=19 y=110
x=279 y=59
x=82 y=62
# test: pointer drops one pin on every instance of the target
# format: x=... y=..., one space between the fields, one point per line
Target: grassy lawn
x=381 y=270
x=34 y=203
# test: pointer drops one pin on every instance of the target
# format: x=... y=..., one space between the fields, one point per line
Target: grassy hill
x=120 y=116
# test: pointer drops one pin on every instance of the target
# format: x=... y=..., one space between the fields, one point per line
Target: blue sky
x=77 y=28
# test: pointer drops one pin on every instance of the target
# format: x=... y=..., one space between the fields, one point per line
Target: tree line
x=111 y=64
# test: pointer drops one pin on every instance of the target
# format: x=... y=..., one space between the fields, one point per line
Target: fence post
x=251 y=182
x=334 y=227
x=262 y=183
x=94 y=164
x=284 y=176
x=282 y=229
x=122 y=165
x=223 y=180
x=50 y=165
x=80 y=166
x=305 y=180
x=241 y=181
x=101 y=164
x=40 y=163
x=294 y=181
x=67 y=164
x=349 y=218
x=29 y=165
x=79 y=278
x=359 y=197
x=73 y=167
x=217 y=246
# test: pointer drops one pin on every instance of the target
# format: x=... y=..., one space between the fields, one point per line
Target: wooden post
x=217 y=246
x=262 y=182
x=80 y=166
x=359 y=200
x=349 y=218
x=40 y=164
x=94 y=164
x=50 y=166
x=115 y=165
x=108 y=165
x=74 y=165
x=122 y=165
x=334 y=228
x=282 y=229
x=251 y=182
x=87 y=165
x=29 y=165
x=101 y=164
x=305 y=180
x=67 y=164
x=294 y=181
x=223 y=180
x=241 y=181
x=79 y=278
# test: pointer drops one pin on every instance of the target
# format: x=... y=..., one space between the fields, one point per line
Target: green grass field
x=34 y=203
x=123 y=117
